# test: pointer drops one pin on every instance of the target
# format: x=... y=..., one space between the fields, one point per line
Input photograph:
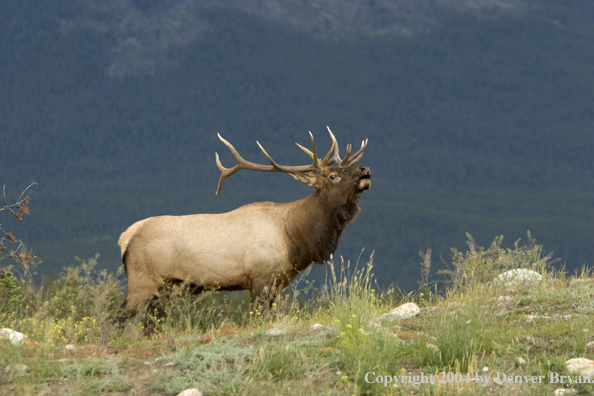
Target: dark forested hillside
x=480 y=122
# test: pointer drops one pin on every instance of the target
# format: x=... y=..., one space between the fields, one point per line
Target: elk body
x=259 y=247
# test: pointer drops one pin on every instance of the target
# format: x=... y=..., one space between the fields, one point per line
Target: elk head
x=343 y=182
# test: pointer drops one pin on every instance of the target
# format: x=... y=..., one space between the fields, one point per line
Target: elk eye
x=333 y=177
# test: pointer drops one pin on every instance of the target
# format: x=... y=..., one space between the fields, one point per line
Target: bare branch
x=20 y=204
x=33 y=183
x=17 y=210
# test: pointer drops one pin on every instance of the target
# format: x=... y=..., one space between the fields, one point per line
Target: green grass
x=218 y=343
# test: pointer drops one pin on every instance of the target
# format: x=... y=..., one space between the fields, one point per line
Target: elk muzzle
x=365 y=179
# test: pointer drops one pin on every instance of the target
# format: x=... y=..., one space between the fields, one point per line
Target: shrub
x=76 y=307
x=480 y=265
x=18 y=254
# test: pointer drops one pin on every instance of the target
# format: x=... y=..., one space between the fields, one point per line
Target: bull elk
x=260 y=247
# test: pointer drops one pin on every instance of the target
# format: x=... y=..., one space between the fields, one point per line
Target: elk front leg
x=155 y=314
x=264 y=294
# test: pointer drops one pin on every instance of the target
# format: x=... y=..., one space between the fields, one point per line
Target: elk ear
x=305 y=178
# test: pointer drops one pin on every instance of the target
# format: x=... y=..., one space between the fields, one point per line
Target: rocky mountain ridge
x=144 y=32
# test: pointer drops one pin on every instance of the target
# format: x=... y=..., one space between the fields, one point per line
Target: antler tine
x=268 y=157
x=314 y=155
x=345 y=160
x=305 y=150
x=282 y=168
x=314 y=152
x=226 y=172
x=336 y=158
x=244 y=164
x=359 y=154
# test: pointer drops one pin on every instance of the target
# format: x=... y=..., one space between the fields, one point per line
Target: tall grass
x=479 y=265
x=75 y=307
x=238 y=357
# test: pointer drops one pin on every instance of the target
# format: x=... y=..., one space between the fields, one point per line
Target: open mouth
x=364 y=182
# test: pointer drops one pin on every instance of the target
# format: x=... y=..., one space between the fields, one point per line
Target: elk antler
x=313 y=155
x=348 y=159
x=244 y=164
x=317 y=166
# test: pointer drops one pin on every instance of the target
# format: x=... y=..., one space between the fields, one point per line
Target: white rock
x=521 y=362
x=70 y=347
x=190 y=392
x=459 y=312
x=17 y=367
x=15 y=337
x=275 y=332
x=563 y=391
x=590 y=344
x=532 y=318
x=485 y=369
x=499 y=381
x=503 y=300
x=433 y=347
x=516 y=278
x=317 y=326
x=581 y=366
x=404 y=311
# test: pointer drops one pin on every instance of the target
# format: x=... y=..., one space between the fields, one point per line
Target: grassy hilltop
x=218 y=343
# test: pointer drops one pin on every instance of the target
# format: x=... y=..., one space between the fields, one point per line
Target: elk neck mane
x=314 y=226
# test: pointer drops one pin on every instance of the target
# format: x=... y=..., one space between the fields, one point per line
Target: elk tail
x=126 y=237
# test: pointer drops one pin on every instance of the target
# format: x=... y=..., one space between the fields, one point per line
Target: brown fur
x=314 y=236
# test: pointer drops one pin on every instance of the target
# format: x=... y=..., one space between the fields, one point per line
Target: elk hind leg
x=136 y=299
